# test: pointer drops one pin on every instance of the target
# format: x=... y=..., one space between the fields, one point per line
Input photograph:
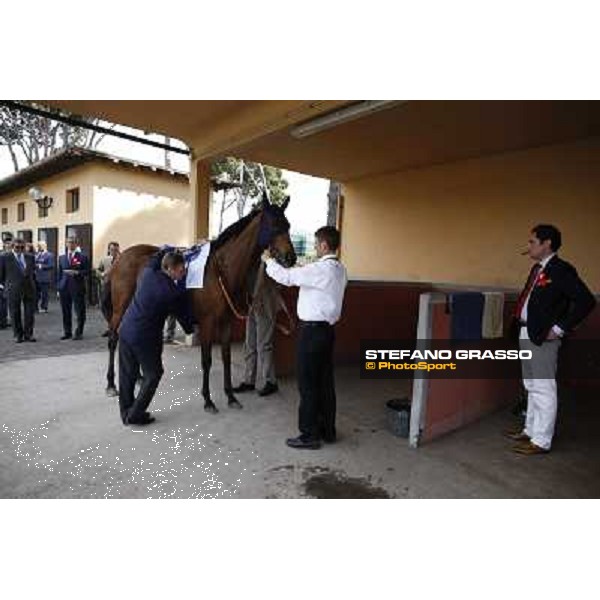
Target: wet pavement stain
x=335 y=485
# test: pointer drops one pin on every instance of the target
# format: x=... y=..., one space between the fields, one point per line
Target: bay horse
x=234 y=257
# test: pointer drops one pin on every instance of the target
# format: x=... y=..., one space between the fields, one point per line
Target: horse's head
x=274 y=232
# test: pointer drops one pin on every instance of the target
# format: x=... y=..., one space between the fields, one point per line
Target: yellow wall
x=465 y=222
x=127 y=205
x=138 y=208
x=56 y=187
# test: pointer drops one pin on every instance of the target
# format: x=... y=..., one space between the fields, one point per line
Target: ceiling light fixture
x=343 y=115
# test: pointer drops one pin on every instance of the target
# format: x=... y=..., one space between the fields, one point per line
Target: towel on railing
x=466 y=313
x=492 y=325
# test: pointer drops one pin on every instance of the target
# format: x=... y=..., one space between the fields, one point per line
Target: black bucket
x=398 y=416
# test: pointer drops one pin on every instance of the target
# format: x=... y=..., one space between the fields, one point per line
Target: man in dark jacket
x=140 y=334
x=553 y=302
x=17 y=275
x=73 y=268
x=44 y=264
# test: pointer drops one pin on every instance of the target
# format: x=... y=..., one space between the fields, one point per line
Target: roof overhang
x=406 y=135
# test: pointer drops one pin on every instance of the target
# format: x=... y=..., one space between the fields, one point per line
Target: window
x=21 y=211
x=42 y=212
x=73 y=200
x=4 y=216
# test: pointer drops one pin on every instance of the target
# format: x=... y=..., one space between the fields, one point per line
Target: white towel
x=195 y=272
x=492 y=322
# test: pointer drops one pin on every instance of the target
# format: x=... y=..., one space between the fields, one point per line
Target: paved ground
x=60 y=437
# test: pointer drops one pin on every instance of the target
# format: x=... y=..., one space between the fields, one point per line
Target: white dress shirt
x=322 y=285
x=557 y=330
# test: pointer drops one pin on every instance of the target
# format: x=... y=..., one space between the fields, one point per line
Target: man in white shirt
x=322 y=285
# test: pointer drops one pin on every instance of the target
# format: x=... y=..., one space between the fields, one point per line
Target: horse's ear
x=285 y=203
x=265 y=199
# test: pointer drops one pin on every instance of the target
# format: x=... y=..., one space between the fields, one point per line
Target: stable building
x=98 y=198
x=436 y=197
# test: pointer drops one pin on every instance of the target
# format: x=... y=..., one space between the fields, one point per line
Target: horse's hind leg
x=113 y=340
x=232 y=401
x=206 y=349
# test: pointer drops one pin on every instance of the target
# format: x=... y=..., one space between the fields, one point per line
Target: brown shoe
x=516 y=435
x=529 y=448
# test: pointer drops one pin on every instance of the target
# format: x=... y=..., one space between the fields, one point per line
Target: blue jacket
x=72 y=283
x=44 y=264
x=156 y=297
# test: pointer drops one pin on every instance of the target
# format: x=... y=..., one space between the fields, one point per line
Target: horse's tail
x=106 y=304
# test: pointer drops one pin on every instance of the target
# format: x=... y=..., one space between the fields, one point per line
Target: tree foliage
x=252 y=179
x=31 y=138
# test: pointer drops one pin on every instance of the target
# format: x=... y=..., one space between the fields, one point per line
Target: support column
x=200 y=202
x=200 y=199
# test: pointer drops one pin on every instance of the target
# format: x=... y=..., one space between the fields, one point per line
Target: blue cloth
x=44 y=264
x=156 y=297
x=73 y=283
x=466 y=315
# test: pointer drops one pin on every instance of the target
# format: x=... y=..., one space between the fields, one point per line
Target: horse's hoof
x=111 y=392
x=234 y=404
x=211 y=408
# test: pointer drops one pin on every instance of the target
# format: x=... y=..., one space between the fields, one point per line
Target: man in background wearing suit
x=44 y=264
x=553 y=302
x=17 y=274
x=4 y=324
x=73 y=267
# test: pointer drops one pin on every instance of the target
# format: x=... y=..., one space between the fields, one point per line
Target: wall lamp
x=44 y=202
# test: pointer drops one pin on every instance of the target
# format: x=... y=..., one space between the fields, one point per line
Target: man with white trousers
x=553 y=302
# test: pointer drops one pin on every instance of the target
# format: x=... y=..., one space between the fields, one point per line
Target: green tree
x=251 y=178
x=31 y=138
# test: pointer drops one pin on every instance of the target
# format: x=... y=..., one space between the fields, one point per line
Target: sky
x=308 y=206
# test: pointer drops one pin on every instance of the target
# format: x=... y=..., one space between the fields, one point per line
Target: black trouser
x=67 y=301
x=131 y=360
x=22 y=327
x=3 y=309
x=42 y=295
x=315 y=381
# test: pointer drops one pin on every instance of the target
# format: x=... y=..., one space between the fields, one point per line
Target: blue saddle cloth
x=189 y=254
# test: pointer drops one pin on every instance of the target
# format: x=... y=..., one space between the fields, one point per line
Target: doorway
x=50 y=236
x=83 y=233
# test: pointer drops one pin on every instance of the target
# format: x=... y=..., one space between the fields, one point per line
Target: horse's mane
x=233 y=230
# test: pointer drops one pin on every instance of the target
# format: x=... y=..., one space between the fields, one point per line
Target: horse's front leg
x=232 y=401
x=206 y=349
x=111 y=389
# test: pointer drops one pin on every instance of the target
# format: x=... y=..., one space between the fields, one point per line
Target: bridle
x=280 y=301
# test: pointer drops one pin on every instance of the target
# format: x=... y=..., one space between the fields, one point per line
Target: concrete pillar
x=200 y=196
x=200 y=201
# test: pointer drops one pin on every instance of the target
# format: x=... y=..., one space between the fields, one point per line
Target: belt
x=315 y=324
x=522 y=323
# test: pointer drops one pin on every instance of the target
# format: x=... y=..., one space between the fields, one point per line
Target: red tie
x=533 y=274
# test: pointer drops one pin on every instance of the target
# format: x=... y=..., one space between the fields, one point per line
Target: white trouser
x=539 y=379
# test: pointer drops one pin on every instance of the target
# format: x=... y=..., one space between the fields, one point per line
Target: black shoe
x=168 y=340
x=243 y=387
x=30 y=339
x=106 y=333
x=303 y=443
x=77 y=336
x=145 y=420
x=67 y=336
x=270 y=388
x=19 y=340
